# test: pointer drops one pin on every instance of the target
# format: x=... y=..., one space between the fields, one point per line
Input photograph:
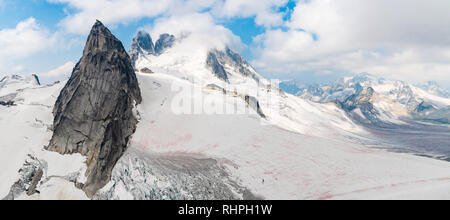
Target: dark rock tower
x=94 y=112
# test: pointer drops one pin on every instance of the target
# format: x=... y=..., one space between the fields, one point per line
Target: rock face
x=142 y=44
x=216 y=67
x=363 y=102
x=94 y=112
x=217 y=60
x=164 y=42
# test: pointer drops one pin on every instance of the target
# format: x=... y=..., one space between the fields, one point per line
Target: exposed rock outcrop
x=36 y=78
x=254 y=104
x=251 y=101
x=146 y=70
x=94 y=112
x=34 y=182
x=7 y=103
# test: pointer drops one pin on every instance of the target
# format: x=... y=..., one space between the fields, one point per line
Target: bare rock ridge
x=217 y=60
x=216 y=67
x=94 y=111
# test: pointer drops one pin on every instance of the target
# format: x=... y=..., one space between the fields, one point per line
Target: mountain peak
x=142 y=45
x=101 y=39
x=144 y=41
x=98 y=22
x=94 y=111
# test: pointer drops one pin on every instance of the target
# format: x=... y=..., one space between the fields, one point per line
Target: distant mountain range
x=395 y=99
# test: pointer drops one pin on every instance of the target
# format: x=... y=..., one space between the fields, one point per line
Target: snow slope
x=26 y=130
x=300 y=150
x=284 y=110
x=274 y=163
x=271 y=162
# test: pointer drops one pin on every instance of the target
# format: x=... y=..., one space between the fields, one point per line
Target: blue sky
x=49 y=15
x=306 y=40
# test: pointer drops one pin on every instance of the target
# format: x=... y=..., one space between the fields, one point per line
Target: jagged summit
x=143 y=45
x=94 y=111
x=144 y=41
x=101 y=40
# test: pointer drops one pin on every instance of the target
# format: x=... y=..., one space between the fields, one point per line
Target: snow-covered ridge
x=10 y=84
x=433 y=88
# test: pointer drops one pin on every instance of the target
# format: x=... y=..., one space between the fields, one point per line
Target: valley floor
x=430 y=140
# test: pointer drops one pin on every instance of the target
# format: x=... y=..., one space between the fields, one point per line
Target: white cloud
x=122 y=11
x=25 y=39
x=266 y=12
x=375 y=23
x=403 y=39
x=111 y=12
x=198 y=29
x=61 y=71
x=18 y=68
